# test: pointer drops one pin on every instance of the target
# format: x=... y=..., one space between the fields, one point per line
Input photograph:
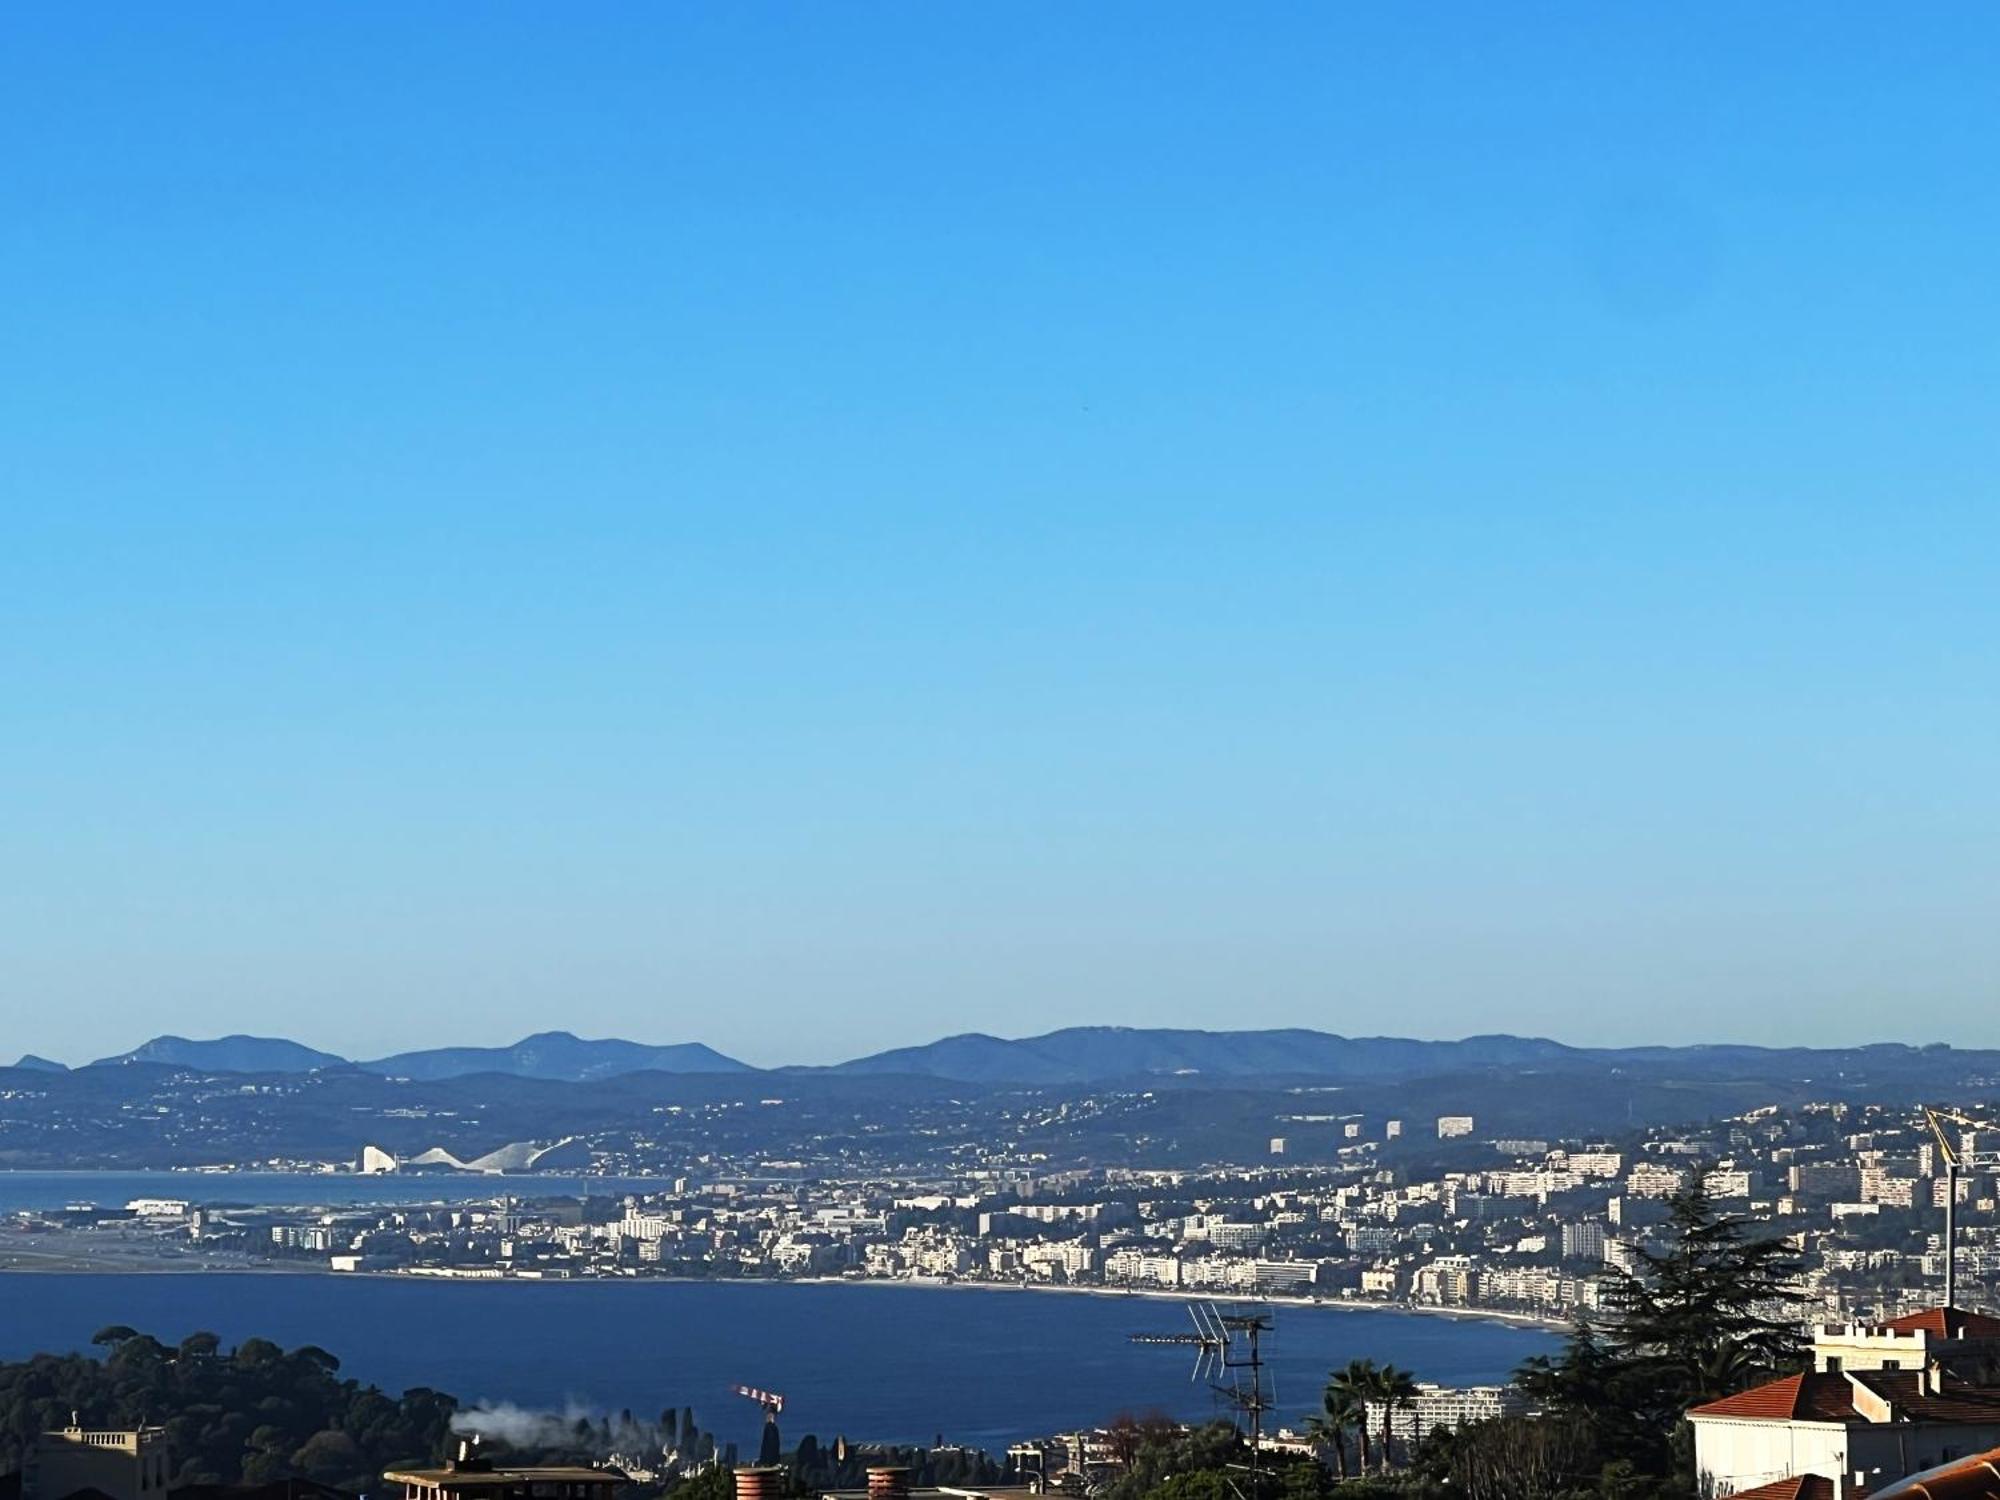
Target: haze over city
x=811 y=530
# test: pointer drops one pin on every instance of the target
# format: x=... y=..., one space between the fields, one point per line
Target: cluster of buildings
x=1437 y=1216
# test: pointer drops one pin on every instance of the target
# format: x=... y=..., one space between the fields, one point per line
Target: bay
x=873 y=1361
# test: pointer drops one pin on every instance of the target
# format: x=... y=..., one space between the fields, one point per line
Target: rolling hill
x=558 y=1055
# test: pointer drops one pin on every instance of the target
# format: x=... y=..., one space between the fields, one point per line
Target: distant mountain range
x=555 y=1055
x=1084 y=1055
x=1097 y=1054
x=228 y=1054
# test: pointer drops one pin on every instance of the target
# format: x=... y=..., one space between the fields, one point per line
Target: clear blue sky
x=814 y=527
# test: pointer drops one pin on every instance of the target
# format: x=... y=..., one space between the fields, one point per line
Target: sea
x=886 y=1362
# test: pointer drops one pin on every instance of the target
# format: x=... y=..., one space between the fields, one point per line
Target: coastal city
x=1530 y=1229
x=1124 y=751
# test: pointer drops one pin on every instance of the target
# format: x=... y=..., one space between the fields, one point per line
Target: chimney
x=757 y=1483
x=1934 y=1377
x=888 y=1483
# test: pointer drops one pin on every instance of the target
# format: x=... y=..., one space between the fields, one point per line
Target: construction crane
x=768 y=1445
x=1956 y=1157
x=771 y=1401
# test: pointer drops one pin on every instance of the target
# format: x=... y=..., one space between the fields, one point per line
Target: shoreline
x=1154 y=1294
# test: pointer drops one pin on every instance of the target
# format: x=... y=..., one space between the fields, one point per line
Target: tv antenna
x=1209 y=1339
x=1229 y=1352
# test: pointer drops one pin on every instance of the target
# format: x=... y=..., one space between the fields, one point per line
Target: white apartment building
x=1726 y=1182
x=1526 y=1286
x=1885 y=1186
x=643 y=1227
x=1444 y=1406
x=1596 y=1163
x=1381 y=1281
x=1061 y=1262
x=1652 y=1180
x=1223 y=1234
x=1450 y=1281
x=1293 y=1277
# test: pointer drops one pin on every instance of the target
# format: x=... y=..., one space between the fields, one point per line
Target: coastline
x=107 y=1266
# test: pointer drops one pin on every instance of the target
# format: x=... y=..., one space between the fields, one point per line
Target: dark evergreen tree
x=1712 y=1312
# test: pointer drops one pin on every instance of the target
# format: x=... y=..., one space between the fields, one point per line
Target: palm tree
x=1349 y=1390
x=1726 y=1369
x=1340 y=1413
x=1396 y=1390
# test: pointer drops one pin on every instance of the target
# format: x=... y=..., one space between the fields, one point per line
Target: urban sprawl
x=1516 y=1227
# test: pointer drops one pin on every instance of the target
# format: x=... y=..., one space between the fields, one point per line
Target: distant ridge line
x=1072 y=1055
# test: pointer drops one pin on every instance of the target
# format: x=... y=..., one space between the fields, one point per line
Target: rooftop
x=1946 y=1323
x=1830 y=1397
x=1974 y=1478
x=485 y=1478
x=1798 y=1487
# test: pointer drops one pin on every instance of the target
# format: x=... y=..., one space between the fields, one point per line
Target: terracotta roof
x=1974 y=1478
x=1829 y=1397
x=1945 y=1323
x=1773 y=1401
x=1798 y=1487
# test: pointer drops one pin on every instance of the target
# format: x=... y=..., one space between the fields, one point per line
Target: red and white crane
x=771 y=1401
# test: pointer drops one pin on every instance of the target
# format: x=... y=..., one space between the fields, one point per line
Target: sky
x=815 y=527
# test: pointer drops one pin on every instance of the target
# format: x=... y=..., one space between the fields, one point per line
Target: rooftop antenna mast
x=1246 y=1391
x=1229 y=1352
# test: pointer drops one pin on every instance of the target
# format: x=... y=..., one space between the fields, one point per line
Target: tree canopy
x=254 y=1414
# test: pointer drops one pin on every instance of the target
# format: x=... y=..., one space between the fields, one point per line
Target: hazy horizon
x=914 y=1040
x=812 y=529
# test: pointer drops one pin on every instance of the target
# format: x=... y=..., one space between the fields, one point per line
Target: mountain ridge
x=235 y=1053
x=1076 y=1055
x=558 y=1055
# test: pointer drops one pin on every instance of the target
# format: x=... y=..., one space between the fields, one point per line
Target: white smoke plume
x=523 y=1427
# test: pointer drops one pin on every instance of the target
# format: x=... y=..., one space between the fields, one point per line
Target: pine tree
x=1714 y=1311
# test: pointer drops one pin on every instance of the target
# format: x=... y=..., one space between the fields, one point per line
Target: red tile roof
x=1798 y=1487
x=1975 y=1478
x=1829 y=1397
x=1774 y=1401
x=1946 y=1323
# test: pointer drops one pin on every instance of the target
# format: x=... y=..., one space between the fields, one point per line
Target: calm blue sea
x=882 y=1362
